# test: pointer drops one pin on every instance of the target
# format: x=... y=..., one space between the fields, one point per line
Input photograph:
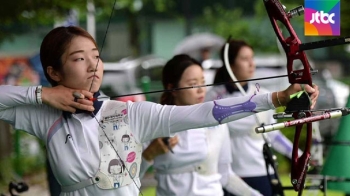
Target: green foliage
x=30 y=155
x=5 y=172
x=161 y=5
x=27 y=158
x=345 y=18
x=345 y=80
x=255 y=30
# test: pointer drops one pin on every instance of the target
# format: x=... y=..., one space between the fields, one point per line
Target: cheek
x=192 y=93
x=70 y=71
x=185 y=94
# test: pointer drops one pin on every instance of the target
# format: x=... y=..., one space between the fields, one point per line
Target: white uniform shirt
x=246 y=144
x=72 y=143
x=200 y=149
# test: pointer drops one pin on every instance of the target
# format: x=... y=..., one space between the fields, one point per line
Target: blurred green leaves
x=256 y=30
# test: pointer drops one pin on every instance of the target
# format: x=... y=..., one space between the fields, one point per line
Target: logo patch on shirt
x=68 y=137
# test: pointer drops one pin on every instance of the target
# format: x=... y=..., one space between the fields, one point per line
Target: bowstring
x=92 y=82
x=190 y=87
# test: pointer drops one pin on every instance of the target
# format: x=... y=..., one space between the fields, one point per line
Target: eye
x=79 y=59
x=97 y=57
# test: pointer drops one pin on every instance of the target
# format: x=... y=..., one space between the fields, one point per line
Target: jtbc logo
x=324 y=17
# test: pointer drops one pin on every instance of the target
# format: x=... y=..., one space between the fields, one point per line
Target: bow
x=299 y=108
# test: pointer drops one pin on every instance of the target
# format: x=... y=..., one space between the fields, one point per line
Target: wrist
x=283 y=97
x=279 y=99
x=38 y=95
x=44 y=94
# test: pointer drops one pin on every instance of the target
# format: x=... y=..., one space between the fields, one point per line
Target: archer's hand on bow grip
x=311 y=93
x=284 y=97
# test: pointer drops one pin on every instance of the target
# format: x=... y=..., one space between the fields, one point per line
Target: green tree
x=17 y=16
x=255 y=29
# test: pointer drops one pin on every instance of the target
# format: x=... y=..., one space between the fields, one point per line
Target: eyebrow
x=78 y=51
x=194 y=79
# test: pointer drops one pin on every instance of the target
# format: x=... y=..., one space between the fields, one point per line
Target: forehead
x=245 y=50
x=192 y=71
x=80 y=43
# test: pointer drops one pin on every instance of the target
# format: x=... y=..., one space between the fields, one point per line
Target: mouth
x=200 y=98
x=93 y=76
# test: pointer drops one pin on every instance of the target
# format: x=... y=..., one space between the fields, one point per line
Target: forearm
x=19 y=107
x=161 y=121
x=12 y=96
x=218 y=112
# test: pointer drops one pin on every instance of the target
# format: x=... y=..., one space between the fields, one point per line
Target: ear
x=54 y=75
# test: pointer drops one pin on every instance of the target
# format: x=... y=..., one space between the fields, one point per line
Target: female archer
x=200 y=164
x=246 y=145
x=70 y=59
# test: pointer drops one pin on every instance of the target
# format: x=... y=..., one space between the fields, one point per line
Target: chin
x=95 y=88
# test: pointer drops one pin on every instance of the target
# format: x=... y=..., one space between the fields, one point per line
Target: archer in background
x=246 y=145
x=201 y=162
x=72 y=64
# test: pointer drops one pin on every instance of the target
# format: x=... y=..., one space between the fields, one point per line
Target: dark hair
x=234 y=47
x=55 y=44
x=172 y=73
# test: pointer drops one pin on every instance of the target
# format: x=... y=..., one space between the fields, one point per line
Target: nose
x=93 y=66
x=201 y=89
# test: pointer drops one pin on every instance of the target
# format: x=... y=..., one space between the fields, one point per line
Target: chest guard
x=117 y=169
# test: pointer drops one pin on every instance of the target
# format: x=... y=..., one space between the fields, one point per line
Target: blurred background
x=141 y=37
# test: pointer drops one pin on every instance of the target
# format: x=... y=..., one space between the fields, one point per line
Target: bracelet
x=279 y=102
x=38 y=92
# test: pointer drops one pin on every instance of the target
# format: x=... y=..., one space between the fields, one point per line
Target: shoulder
x=217 y=88
x=216 y=92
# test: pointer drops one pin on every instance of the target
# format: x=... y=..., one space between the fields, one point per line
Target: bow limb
x=229 y=70
x=234 y=79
